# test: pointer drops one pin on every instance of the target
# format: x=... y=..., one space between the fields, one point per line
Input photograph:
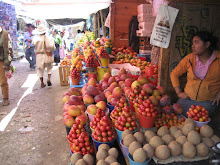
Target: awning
x=64 y=22
x=57 y=9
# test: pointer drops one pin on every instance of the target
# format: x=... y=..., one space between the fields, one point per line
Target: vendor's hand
x=183 y=95
x=216 y=99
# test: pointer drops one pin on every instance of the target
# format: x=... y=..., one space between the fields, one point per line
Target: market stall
x=117 y=111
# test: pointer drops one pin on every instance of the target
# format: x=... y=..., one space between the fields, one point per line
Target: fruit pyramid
x=121 y=105
x=126 y=121
x=79 y=139
x=91 y=62
x=75 y=74
x=103 y=132
x=102 y=53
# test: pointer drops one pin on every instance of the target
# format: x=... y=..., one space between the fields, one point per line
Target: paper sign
x=163 y=26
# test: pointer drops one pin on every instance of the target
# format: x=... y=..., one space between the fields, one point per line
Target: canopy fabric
x=64 y=22
x=57 y=9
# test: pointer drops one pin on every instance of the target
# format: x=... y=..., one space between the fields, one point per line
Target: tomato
x=88 y=148
x=133 y=123
x=193 y=106
x=105 y=139
x=201 y=119
x=77 y=148
x=196 y=118
x=148 y=114
x=110 y=138
x=104 y=134
x=109 y=133
x=204 y=118
x=144 y=113
x=131 y=129
x=198 y=107
x=102 y=129
x=120 y=128
x=154 y=115
x=99 y=138
x=81 y=145
x=127 y=124
x=195 y=111
x=198 y=115
x=87 y=144
x=77 y=122
x=81 y=140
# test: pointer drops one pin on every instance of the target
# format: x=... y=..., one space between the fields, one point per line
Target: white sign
x=163 y=25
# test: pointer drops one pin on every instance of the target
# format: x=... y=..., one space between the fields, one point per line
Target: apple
x=142 y=80
x=108 y=93
x=92 y=81
x=111 y=80
x=74 y=111
x=65 y=98
x=106 y=76
x=82 y=118
x=117 y=92
x=112 y=86
x=101 y=105
x=128 y=82
x=82 y=107
x=66 y=107
x=74 y=100
x=177 y=109
x=87 y=99
x=134 y=84
x=92 y=109
x=74 y=91
x=68 y=120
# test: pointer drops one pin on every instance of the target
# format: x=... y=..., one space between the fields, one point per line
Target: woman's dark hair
x=206 y=36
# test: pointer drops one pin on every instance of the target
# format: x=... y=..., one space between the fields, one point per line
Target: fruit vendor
x=203 y=74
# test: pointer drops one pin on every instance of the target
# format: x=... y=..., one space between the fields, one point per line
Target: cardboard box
x=145 y=8
x=143 y=17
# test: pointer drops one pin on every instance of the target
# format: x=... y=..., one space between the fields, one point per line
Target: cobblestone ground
x=41 y=109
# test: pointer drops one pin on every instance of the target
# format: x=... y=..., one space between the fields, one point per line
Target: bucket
x=97 y=143
x=113 y=121
x=75 y=81
x=110 y=107
x=67 y=130
x=101 y=72
x=132 y=162
x=91 y=117
x=119 y=133
x=104 y=62
x=124 y=149
x=146 y=122
x=136 y=112
x=200 y=124
x=70 y=143
x=131 y=105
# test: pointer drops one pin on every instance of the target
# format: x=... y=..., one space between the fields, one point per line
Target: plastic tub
x=132 y=162
x=97 y=143
x=110 y=107
x=146 y=122
x=75 y=81
x=91 y=117
x=124 y=149
x=200 y=124
x=104 y=62
x=119 y=133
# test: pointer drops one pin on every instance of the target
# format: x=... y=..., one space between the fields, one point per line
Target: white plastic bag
x=163 y=25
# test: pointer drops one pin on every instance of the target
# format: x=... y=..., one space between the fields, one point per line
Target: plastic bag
x=163 y=25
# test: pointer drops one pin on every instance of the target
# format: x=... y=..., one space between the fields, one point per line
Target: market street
x=33 y=107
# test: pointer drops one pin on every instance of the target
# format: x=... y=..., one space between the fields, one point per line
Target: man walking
x=29 y=52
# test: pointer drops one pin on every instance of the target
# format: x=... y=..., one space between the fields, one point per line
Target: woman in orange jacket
x=203 y=74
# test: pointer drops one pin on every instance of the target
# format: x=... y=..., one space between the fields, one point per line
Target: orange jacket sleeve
x=178 y=71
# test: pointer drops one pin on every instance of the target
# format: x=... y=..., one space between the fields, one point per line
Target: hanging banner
x=163 y=26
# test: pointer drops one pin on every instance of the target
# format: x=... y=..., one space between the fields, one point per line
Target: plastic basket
x=124 y=149
x=146 y=122
x=97 y=143
x=132 y=162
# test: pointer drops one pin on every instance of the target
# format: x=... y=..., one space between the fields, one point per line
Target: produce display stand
x=64 y=72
